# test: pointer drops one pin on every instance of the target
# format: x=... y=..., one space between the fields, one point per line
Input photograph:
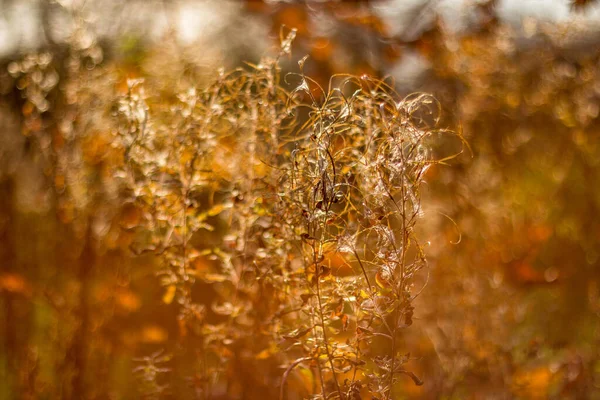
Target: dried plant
x=280 y=216
x=149 y=371
x=312 y=196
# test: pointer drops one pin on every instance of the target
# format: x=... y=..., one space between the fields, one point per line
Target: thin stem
x=287 y=372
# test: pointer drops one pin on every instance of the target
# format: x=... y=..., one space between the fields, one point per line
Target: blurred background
x=512 y=305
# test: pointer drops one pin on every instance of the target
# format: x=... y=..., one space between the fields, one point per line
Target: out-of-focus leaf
x=15 y=283
x=169 y=294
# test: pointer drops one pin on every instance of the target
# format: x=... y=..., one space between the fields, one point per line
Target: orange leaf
x=15 y=283
x=169 y=294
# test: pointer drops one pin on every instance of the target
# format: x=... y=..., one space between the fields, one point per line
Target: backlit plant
x=296 y=209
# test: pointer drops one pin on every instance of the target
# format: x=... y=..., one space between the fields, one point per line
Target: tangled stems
x=313 y=197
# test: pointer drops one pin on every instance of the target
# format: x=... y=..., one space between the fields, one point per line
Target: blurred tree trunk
x=78 y=352
x=9 y=325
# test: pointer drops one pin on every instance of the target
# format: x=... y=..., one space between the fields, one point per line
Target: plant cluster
x=296 y=210
x=60 y=222
x=527 y=104
x=257 y=198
